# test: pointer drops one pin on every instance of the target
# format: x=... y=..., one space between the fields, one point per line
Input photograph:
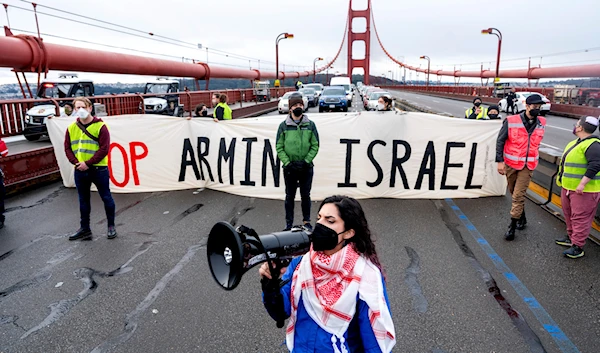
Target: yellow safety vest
x=573 y=166
x=482 y=115
x=226 y=111
x=83 y=146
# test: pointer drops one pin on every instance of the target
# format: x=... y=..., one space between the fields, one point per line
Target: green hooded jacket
x=297 y=142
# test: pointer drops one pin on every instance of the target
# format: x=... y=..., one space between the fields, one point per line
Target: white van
x=345 y=82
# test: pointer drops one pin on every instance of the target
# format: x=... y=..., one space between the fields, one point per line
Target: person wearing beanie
x=493 y=112
x=476 y=112
x=517 y=154
x=579 y=177
x=297 y=145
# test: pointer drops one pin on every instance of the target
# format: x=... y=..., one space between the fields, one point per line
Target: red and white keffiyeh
x=329 y=286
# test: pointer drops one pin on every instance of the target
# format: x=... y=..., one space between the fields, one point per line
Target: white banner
x=366 y=155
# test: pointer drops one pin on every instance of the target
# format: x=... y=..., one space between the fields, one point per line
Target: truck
x=166 y=101
x=588 y=93
x=345 y=82
x=262 y=91
x=501 y=89
x=65 y=86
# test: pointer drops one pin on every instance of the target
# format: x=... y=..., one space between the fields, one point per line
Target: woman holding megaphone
x=335 y=295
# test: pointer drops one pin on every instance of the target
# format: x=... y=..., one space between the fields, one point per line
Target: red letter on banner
x=135 y=157
x=125 y=164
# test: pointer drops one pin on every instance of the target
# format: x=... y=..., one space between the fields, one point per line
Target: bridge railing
x=13 y=112
x=467 y=93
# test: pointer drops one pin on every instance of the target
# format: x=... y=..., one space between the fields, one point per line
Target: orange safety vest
x=521 y=148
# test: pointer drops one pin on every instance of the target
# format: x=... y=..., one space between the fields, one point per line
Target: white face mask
x=82 y=113
x=380 y=106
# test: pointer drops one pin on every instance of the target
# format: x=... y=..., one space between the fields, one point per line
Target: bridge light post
x=499 y=35
x=284 y=35
x=315 y=69
x=428 y=66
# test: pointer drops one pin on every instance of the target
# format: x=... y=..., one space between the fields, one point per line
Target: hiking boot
x=510 y=233
x=111 y=233
x=307 y=227
x=564 y=241
x=522 y=221
x=83 y=234
x=574 y=252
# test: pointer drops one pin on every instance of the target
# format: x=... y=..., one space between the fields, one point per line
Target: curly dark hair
x=354 y=218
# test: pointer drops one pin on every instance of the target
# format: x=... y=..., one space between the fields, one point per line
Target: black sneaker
x=1 y=224
x=287 y=228
x=112 y=232
x=564 y=241
x=307 y=227
x=83 y=234
x=574 y=252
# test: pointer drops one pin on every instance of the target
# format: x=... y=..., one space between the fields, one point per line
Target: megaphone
x=232 y=251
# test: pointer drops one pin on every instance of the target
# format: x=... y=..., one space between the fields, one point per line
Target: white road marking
x=434 y=101
x=547 y=145
x=560 y=128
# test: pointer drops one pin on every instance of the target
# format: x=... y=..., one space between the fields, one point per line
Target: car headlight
x=27 y=118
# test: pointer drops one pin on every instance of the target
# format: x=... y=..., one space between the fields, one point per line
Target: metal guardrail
x=13 y=111
x=462 y=93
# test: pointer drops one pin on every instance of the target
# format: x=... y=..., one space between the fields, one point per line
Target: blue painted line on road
x=562 y=341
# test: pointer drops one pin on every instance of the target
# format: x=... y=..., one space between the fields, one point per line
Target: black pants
x=2 y=195
x=293 y=180
x=510 y=105
x=83 y=180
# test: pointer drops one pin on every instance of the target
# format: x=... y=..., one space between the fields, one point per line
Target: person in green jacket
x=297 y=145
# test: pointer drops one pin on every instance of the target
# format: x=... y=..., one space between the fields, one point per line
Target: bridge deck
x=150 y=289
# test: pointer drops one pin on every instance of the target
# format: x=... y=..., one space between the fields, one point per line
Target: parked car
x=333 y=98
x=283 y=105
x=316 y=86
x=520 y=102
x=310 y=93
x=374 y=98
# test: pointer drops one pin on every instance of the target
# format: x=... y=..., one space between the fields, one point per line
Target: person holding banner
x=476 y=112
x=517 y=154
x=579 y=177
x=335 y=295
x=297 y=145
x=87 y=142
x=222 y=110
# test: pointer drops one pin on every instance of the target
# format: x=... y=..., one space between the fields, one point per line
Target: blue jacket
x=309 y=337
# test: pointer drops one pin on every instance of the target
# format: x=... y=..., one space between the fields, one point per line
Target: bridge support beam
x=364 y=36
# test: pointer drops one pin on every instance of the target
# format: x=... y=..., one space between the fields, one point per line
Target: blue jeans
x=83 y=180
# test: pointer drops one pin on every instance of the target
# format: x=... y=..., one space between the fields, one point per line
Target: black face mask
x=324 y=238
x=477 y=104
x=204 y=113
x=534 y=112
x=493 y=116
x=297 y=112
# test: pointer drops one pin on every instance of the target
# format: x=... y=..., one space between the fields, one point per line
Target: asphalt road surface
x=454 y=284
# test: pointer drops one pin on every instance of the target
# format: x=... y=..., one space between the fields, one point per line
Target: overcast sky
x=449 y=32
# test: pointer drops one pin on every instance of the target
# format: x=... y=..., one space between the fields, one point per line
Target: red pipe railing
x=31 y=54
x=13 y=112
